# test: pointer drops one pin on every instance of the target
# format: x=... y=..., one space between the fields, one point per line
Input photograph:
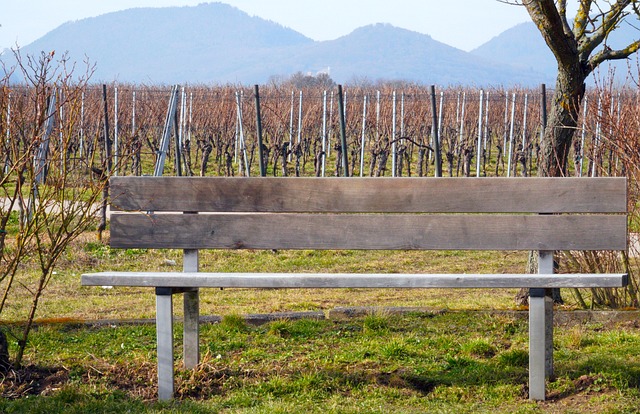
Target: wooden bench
x=543 y=214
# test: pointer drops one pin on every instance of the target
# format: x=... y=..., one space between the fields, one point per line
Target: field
x=61 y=146
x=388 y=130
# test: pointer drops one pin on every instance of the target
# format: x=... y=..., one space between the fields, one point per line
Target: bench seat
x=352 y=280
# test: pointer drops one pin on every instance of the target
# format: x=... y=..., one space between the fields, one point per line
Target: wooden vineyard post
x=263 y=170
x=436 y=132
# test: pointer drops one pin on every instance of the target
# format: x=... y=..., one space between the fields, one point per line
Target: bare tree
x=579 y=47
x=47 y=198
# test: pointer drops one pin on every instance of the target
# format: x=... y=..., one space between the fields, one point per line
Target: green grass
x=461 y=362
x=65 y=298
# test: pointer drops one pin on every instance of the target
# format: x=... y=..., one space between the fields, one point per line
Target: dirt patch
x=32 y=380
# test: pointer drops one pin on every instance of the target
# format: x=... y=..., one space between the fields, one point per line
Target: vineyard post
x=377 y=116
x=291 y=125
x=299 y=136
x=324 y=131
x=81 y=148
x=133 y=114
x=115 y=130
x=513 y=114
x=440 y=113
x=166 y=132
x=344 y=104
x=181 y=119
x=61 y=127
x=393 y=136
x=190 y=125
x=343 y=133
x=596 y=140
x=479 y=146
x=462 y=116
x=505 y=129
x=177 y=129
x=263 y=170
x=585 y=104
x=42 y=155
x=543 y=112
x=402 y=141
x=330 y=125
x=107 y=164
x=402 y=115
x=486 y=146
x=107 y=139
x=611 y=115
x=363 y=137
x=435 y=130
x=524 y=132
x=243 y=148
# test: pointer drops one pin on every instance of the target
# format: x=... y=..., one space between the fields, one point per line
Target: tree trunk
x=563 y=118
x=558 y=136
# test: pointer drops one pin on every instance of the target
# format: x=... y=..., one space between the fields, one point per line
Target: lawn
x=453 y=356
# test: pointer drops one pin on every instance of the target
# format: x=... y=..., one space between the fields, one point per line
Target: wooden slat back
x=345 y=213
x=369 y=231
x=370 y=195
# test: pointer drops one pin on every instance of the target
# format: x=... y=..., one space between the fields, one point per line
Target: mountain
x=523 y=47
x=205 y=43
x=217 y=43
x=382 y=51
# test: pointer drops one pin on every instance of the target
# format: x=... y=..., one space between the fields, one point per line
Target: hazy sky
x=464 y=24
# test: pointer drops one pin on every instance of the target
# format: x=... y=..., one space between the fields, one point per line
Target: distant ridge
x=522 y=47
x=217 y=43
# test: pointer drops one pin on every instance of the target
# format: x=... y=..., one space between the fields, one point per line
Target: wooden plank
x=449 y=195
x=369 y=231
x=352 y=280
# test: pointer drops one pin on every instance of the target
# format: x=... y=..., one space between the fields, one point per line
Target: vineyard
x=216 y=130
x=62 y=140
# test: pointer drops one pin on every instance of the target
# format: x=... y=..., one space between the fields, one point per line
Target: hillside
x=217 y=43
x=522 y=47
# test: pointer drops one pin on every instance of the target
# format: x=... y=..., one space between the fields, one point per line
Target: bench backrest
x=345 y=213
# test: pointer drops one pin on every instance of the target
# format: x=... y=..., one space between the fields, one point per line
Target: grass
x=461 y=362
x=65 y=298
x=453 y=361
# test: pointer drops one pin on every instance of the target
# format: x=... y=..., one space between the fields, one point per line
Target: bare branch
x=609 y=21
x=609 y=54
x=562 y=11
x=580 y=21
x=548 y=20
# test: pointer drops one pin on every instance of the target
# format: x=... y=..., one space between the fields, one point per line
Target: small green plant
x=234 y=324
x=480 y=348
x=375 y=324
x=514 y=358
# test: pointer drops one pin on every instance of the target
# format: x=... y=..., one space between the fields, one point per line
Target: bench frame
x=147 y=195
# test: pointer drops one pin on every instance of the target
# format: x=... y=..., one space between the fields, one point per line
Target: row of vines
x=389 y=132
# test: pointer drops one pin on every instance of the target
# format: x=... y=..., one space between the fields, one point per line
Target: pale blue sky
x=464 y=24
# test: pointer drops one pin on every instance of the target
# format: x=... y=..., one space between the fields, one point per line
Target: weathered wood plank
x=351 y=280
x=369 y=231
x=449 y=195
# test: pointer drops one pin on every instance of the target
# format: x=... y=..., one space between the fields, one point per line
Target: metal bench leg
x=540 y=333
x=191 y=328
x=164 y=333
